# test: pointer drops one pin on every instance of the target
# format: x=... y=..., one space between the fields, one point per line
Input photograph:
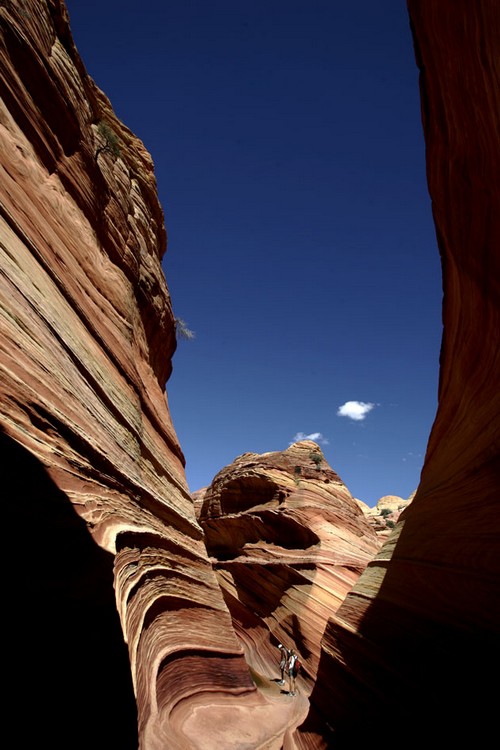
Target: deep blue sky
x=290 y=161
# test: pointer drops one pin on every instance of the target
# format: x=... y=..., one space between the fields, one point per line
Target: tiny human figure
x=284 y=656
x=293 y=668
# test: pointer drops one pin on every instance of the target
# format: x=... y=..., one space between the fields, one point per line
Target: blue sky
x=290 y=162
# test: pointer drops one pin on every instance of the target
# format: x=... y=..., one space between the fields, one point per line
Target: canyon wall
x=288 y=542
x=414 y=648
x=127 y=632
x=120 y=629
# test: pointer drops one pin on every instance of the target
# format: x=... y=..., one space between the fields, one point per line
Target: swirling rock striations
x=414 y=647
x=124 y=632
x=288 y=542
x=116 y=605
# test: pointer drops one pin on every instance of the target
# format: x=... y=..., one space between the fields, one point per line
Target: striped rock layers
x=415 y=646
x=288 y=542
x=126 y=632
x=115 y=602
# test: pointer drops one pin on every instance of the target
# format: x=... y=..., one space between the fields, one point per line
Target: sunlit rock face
x=384 y=515
x=415 y=647
x=121 y=634
x=288 y=542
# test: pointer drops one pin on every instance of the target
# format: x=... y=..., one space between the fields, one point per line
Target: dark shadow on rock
x=420 y=674
x=299 y=639
x=227 y=536
x=261 y=587
x=68 y=676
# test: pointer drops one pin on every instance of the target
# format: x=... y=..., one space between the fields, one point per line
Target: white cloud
x=356 y=410
x=317 y=437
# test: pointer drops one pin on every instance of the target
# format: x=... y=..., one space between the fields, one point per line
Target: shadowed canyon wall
x=415 y=646
x=127 y=632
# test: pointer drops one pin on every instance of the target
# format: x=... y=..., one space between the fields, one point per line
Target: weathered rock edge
x=414 y=647
x=121 y=635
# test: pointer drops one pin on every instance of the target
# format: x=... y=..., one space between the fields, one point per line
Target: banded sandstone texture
x=110 y=552
x=288 y=542
x=120 y=636
x=415 y=645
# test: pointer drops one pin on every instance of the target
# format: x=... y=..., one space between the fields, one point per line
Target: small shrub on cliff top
x=111 y=140
x=317 y=459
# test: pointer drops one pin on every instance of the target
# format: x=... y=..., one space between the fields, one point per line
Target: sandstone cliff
x=288 y=542
x=384 y=515
x=121 y=634
x=414 y=647
x=127 y=633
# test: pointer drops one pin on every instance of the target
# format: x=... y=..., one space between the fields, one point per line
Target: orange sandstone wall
x=288 y=542
x=120 y=631
x=414 y=649
x=122 y=637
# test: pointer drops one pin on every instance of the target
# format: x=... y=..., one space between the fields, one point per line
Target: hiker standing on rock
x=293 y=670
x=284 y=657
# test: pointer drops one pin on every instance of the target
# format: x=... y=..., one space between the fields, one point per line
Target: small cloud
x=356 y=410
x=317 y=437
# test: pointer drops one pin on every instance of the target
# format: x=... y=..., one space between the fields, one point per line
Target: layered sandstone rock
x=384 y=515
x=288 y=542
x=115 y=602
x=123 y=635
x=414 y=647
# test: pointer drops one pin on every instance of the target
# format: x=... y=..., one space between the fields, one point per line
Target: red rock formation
x=384 y=515
x=414 y=649
x=93 y=476
x=121 y=635
x=198 y=496
x=288 y=542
